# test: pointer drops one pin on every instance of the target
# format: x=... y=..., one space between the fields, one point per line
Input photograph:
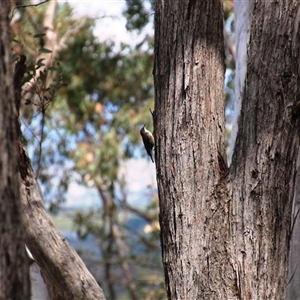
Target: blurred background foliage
x=83 y=105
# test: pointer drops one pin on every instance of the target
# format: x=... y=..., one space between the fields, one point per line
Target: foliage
x=138 y=14
x=81 y=123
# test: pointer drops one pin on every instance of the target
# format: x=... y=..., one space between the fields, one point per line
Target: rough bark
x=66 y=275
x=59 y=262
x=264 y=161
x=189 y=132
x=225 y=233
x=293 y=289
x=14 y=269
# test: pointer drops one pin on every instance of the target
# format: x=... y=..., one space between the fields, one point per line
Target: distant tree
x=225 y=232
x=14 y=272
x=86 y=132
x=63 y=270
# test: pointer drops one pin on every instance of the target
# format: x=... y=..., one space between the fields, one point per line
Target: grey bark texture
x=65 y=273
x=60 y=263
x=225 y=233
x=264 y=161
x=14 y=268
x=190 y=143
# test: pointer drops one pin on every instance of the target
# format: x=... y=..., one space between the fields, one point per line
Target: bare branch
x=27 y=5
x=50 y=42
x=73 y=30
x=130 y=284
x=137 y=211
x=58 y=260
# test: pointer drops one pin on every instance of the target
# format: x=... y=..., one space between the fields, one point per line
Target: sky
x=139 y=174
x=111 y=23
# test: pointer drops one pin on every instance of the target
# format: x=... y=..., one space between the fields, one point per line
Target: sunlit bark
x=225 y=232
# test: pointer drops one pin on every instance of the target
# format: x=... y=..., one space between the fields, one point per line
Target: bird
x=148 y=141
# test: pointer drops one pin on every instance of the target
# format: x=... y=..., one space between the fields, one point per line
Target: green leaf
x=52 y=69
x=39 y=65
x=44 y=50
x=27 y=78
x=39 y=35
x=40 y=60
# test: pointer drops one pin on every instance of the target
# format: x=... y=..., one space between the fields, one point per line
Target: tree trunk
x=225 y=233
x=66 y=275
x=266 y=151
x=58 y=260
x=14 y=268
x=190 y=144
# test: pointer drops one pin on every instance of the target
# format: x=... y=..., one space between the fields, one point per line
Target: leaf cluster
x=102 y=97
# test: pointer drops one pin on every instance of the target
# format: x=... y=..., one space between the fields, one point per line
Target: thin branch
x=116 y=235
x=290 y=280
x=124 y=203
x=41 y=144
x=130 y=284
x=137 y=211
x=142 y=238
x=108 y=265
x=49 y=16
x=294 y=221
x=27 y=5
x=50 y=41
x=62 y=43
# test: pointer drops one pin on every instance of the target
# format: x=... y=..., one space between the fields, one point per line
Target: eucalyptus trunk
x=225 y=232
x=14 y=269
